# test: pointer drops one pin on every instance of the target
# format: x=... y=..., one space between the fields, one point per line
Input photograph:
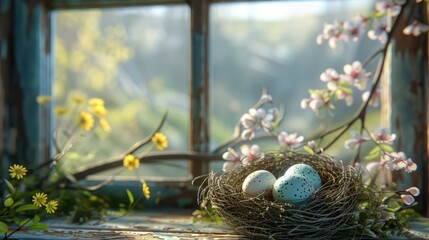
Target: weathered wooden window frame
x=26 y=72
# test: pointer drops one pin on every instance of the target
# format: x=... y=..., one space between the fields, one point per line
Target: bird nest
x=322 y=216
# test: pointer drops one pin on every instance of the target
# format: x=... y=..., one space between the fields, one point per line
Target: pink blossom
x=384 y=136
x=345 y=93
x=333 y=33
x=248 y=134
x=290 y=140
x=355 y=74
x=232 y=159
x=250 y=154
x=389 y=6
x=266 y=98
x=375 y=98
x=269 y=119
x=354 y=28
x=408 y=199
x=331 y=78
x=413 y=191
x=415 y=28
x=379 y=31
x=252 y=118
x=318 y=102
x=356 y=141
x=341 y=31
x=397 y=161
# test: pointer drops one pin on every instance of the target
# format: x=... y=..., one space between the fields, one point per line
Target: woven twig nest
x=322 y=216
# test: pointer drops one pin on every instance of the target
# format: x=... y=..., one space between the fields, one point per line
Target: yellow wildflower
x=42 y=99
x=98 y=110
x=17 y=171
x=104 y=124
x=78 y=99
x=160 y=141
x=96 y=106
x=51 y=206
x=60 y=111
x=39 y=199
x=131 y=162
x=145 y=190
x=96 y=102
x=85 y=121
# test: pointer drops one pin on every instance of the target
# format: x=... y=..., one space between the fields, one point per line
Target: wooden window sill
x=164 y=224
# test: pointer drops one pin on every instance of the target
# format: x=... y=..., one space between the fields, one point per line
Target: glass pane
x=273 y=44
x=136 y=60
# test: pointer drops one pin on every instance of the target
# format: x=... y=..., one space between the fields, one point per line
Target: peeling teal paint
x=409 y=108
x=30 y=77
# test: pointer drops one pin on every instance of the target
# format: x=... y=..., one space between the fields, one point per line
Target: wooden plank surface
x=166 y=224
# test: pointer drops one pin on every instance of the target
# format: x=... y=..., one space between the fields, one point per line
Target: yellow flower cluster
x=42 y=99
x=145 y=190
x=96 y=107
x=41 y=199
x=84 y=119
x=160 y=141
x=131 y=162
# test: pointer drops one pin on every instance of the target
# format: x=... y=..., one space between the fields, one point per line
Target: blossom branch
x=360 y=114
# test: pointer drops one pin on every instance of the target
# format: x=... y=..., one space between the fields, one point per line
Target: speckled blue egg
x=308 y=172
x=293 y=189
x=259 y=183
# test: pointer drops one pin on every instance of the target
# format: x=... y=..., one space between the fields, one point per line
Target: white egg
x=293 y=189
x=306 y=171
x=259 y=182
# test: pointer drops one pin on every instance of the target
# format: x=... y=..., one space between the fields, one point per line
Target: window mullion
x=198 y=85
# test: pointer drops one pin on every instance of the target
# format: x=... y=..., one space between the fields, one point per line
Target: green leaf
x=8 y=202
x=9 y=185
x=38 y=226
x=130 y=197
x=386 y=148
x=375 y=152
x=36 y=218
x=3 y=227
x=24 y=222
x=26 y=207
x=308 y=149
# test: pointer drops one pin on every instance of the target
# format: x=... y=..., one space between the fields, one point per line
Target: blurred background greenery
x=137 y=60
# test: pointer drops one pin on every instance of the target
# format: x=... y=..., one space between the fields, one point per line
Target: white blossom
x=232 y=159
x=378 y=32
x=318 y=102
x=250 y=154
x=355 y=74
x=290 y=140
x=415 y=29
x=397 y=161
x=375 y=98
x=388 y=6
x=407 y=199
x=413 y=191
x=331 y=78
x=356 y=141
x=384 y=136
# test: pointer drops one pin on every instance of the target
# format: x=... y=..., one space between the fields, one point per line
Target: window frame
x=26 y=29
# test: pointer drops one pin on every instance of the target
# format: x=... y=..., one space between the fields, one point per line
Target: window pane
x=273 y=44
x=136 y=59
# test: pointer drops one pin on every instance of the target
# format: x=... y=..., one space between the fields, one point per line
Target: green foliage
x=80 y=205
x=379 y=216
x=130 y=197
x=16 y=212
